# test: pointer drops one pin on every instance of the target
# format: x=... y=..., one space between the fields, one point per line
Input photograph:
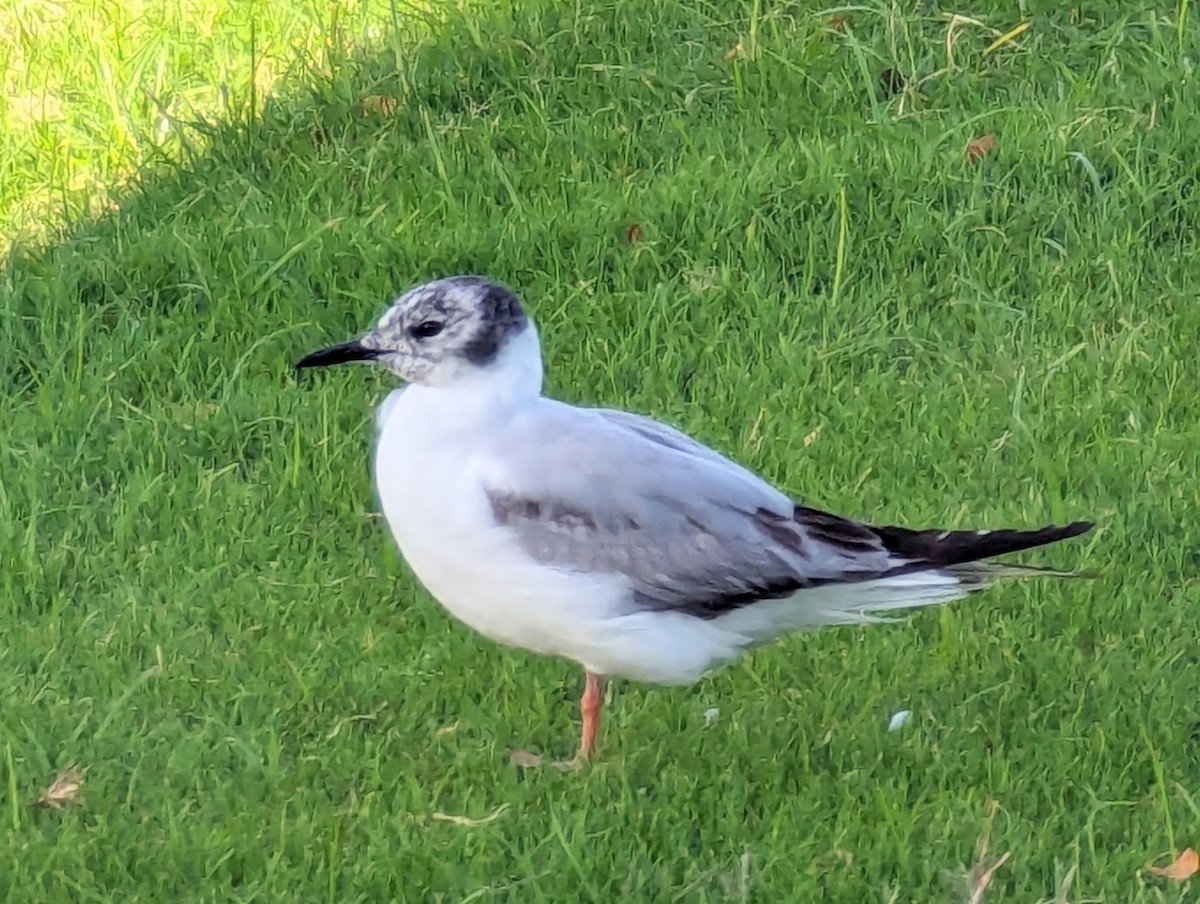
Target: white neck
x=512 y=380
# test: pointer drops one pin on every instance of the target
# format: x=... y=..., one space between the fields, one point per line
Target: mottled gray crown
x=463 y=319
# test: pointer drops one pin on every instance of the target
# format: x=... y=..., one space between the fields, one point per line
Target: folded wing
x=687 y=528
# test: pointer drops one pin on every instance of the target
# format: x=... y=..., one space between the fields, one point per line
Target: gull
x=605 y=537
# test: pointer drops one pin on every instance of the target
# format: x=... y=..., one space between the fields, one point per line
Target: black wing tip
x=957 y=547
x=1075 y=529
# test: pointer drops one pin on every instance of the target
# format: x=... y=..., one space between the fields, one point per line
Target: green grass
x=199 y=605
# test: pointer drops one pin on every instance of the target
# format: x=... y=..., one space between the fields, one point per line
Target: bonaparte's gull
x=605 y=537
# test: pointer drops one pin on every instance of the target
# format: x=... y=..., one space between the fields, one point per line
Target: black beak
x=338 y=354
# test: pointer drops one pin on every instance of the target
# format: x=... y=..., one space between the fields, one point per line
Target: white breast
x=430 y=486
x=429 y=472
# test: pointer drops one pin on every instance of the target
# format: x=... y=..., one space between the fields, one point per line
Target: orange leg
x=590 y=706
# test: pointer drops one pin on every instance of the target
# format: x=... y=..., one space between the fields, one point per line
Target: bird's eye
x=426 y=329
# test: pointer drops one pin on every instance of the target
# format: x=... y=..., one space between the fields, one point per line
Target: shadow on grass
x=527 y=144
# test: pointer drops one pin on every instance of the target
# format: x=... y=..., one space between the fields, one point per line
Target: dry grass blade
x=982 y=872
x=981 y=877
x=467 y=821
x=1064 y=887
x=1008 y=36
x=65 y=789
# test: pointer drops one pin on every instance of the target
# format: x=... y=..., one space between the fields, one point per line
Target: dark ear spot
x=500 y=316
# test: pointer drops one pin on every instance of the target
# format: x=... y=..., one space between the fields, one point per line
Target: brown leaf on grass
x=634 y=233
x=837 y=23
x=1183 y=868
x=64 y=789
x=379 y=103
x=524 y=759
x=980 y=147
x=467 y=821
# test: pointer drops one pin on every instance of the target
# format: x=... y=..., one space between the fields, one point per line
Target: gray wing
x=606 y=491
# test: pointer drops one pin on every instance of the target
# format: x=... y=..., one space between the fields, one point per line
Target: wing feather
x=597 y=490
x=688 y=528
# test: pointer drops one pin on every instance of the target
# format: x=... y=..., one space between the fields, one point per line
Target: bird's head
x=440 y=333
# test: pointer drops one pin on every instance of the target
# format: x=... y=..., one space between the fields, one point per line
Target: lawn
x=913 y=267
